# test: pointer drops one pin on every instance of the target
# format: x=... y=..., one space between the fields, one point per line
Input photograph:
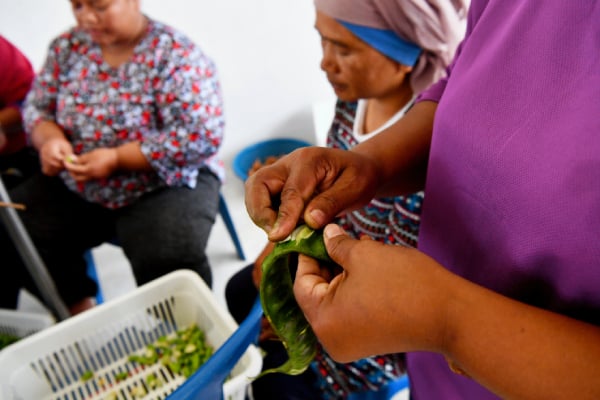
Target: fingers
x=52 y=164
x=79 y=171
x=313 y=184
x=266 y=192
x=325 y=182
x=260 y=189
x=52 y=155
x=310 y=286
x=347 y=180
x=337 y=243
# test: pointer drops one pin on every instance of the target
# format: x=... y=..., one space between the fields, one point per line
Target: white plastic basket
x=50 y=363
x=22 y=324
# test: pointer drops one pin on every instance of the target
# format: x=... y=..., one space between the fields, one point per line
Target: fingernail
x=332 y=230
x=272 y=230
x=317 y=216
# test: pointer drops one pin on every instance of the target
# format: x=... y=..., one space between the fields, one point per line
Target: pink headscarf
x=436 y=26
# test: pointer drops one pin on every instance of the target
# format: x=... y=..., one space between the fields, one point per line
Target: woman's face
x=109 y=22
x=354 y=69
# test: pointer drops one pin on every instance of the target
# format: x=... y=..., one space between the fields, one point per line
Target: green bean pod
x=278 y=301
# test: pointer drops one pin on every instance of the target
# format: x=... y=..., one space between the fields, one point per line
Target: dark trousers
x=17 y=167
x=162 y=231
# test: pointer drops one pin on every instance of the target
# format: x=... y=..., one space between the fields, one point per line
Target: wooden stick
x=12 y=205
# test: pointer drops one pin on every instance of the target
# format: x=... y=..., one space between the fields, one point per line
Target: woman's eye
x=342 y=50
x=101 y=7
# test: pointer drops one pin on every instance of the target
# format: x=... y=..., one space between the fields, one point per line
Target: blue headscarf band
x=386 y=42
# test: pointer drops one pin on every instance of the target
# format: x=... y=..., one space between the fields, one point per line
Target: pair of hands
x=56 y=155
x=362 y=311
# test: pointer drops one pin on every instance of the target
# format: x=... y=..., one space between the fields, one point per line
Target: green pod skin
x=278 y=301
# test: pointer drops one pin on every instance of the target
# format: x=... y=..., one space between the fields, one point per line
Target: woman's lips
x=94 y=32
x=338 y=87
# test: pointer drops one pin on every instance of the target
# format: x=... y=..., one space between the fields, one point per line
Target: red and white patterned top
x=167 y=97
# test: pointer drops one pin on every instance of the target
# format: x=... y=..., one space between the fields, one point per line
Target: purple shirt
x=513 y=187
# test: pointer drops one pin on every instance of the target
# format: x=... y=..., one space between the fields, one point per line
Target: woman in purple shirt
x=127 y=116
x=502 y=297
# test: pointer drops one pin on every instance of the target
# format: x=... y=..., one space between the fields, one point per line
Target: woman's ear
x=402 y=73
x=405 y=69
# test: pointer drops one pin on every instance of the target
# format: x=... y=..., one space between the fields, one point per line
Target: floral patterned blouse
x=167 y=97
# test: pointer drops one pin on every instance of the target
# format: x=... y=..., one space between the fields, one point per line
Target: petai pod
x=278 y=301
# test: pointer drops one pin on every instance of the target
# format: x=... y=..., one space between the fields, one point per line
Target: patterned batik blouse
x=167 y=97
x=391 y=220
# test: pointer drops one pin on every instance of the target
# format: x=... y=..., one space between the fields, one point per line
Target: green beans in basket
x=7 y=339
x=278 y=301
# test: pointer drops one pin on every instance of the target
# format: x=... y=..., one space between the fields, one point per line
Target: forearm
x=519 y=351
x=44 y=131
x=131 y=158
x=401 y=152
x=10 y=120
x=12 y=136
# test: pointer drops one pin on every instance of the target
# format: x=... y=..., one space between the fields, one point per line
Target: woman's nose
x=327 y=61
x=85 y=15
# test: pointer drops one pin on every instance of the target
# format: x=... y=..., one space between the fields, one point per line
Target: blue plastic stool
x=224 y=211
x=91 y=271
x=207 y=382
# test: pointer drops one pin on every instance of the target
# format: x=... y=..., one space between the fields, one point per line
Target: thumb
x=338 y=244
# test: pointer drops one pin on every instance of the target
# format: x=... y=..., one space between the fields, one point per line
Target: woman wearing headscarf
x=378 y=55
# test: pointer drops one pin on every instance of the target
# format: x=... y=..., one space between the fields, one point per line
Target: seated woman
x=127 y=116
x=376 y=68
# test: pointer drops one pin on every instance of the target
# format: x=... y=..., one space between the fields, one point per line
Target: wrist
x=116 y=159
x=44 y=131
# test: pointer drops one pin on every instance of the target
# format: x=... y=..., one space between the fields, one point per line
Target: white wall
x=267 y=53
